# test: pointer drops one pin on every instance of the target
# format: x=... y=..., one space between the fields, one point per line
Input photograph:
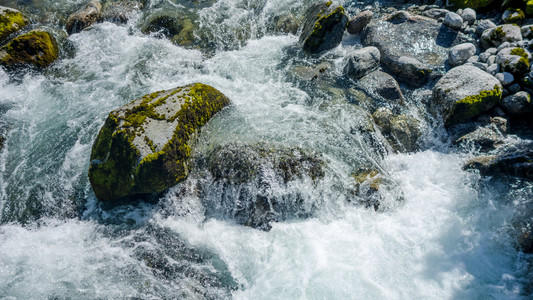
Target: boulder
x=453 y=21
x=119 y=12
x=362 y=61
x=36 y=48
x=477 y=4
x=178 y=28
x=84 y=17
x=465 y=92
x=323 y=26
x=459 y=54
x=513 y=16
x=494 y=37
x=411 y=60
x=11 y=21
x=517 y=104
x=244 y=179
x=469 y=16
x=144 y=146
x=486 y=138
x=402 y=131
x=484 y=25
x=359 y=22
x=513 y=60
x=384 y=85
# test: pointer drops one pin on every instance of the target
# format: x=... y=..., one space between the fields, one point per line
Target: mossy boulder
x=464 y=93
x=36 y=48
x=85 y=17
x=144 y=147
x=513 y=16
x=401 y=131
x=179 y=28
x=474 y=4
x=498 y=35
x=514 y=60
x=323 y=27
x=11 y=21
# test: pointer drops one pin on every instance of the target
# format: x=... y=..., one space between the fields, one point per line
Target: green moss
x=368 y=176
x=117 y=169
x=498 y=34
x=517 y=16
x=318 y=35
x=523 y=63
x=475 y=4
x=474 y=105
x=11 y=21
x=529 y=7
x=37 y=48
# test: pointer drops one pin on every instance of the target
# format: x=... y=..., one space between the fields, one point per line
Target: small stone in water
x=453 y=21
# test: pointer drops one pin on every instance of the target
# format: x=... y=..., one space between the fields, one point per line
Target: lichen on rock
x=11 y=21
x=144 y=147
x=36 y=48
x=323 y=27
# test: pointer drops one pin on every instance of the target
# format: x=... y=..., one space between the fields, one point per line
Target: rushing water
x=440 y=233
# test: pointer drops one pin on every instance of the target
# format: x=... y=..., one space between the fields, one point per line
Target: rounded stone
x=453 y=21
x=505 y=78
x=459 y=54
x=359 y=22
x=469 y=16
x=517 y=104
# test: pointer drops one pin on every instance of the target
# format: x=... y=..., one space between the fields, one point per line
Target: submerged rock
x=464 y=93
x=250 y=182
x=36 y=48
x=362 y=61
x=144 y=146
x=11 y=21
x=403 y=53
x=84 y=17
x=486 y=138
x=384 y=85
x=119 y=12
x=401 y=131
x=178 y=28
x=323 y=27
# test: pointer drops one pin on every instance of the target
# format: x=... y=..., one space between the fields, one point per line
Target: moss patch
x=11 y=21
x=475 y=4
x=516 y=16
x=37 y=48
x=323 y=28
x=117 y=169
x=474 y=105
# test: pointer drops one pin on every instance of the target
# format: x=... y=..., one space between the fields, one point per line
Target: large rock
x=406 y=56
x=517 y=104
x=362 y=61
x=513 y=60
x=36 y=48
x=459 y=54
x=84 y=17
x=11 y=21
x=323 y=27
x=465 y=92
x=476 y=4
x=359 y=22
x=401 y=131
x=498 y=35
x=453 y=21
x=384 y=85
x=513 y=16
x=245 y=181
x=144 y=146
x=484 y=25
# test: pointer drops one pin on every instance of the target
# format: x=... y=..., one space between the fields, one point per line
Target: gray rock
x=459 y=54
x=517 y=104
x=362 y=61
x=484 y=138
x=484 y=25
x=119 y=12
x=384 y=85
x=453 y=21
x=469 y=30
x=469 y=16
x=287 y=23
x=465 y=92
x=514 y=88
x=514 y=60
x=84 y=17
x=492 y=51
x=491 y=60
x=493 y=69
x=481 y=65
x=359 y=22
x=411 y=60
x=505 y=78
x=323 y=27
x=473 y=59
x=401 y=131
x=500 y=123
x=436 y=13
x=483 y=57
x=504 y=45
x=527 y=31
x=496 y=36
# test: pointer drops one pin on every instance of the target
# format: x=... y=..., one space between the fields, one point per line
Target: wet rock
x=119 y=12
x=517 y=104
x=404 y=30
x=453 y=21
x=514 y=60
x=245 y=179
x=513 y=160
x=513 y=16
x=464 y=93
x=11 y=21
x=286 y=24
x=144 y=146
x=84 y=17
x=323 y=27
x=362 y=61
x=368 y=182
x=484 y=138
x=359 y=22
x=505 y=78
x=469 y=16
x=498 y=35
x=401 y=131
x=36 y=48
x=384 y=85
x=459 y=54
x=484 y=25
x=166 y=24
